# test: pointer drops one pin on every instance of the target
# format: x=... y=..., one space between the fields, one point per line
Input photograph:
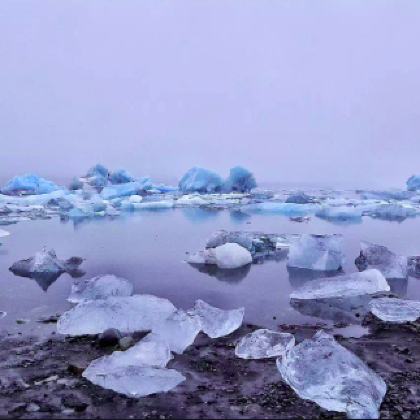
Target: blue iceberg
x=75 y=184
x=298 y=197
x=286 y=209
x=121 y=176
x=240 y=179
x=122 y=190
x=413 y=183
x=97 y=170
x=31 y=183
x=202 y=180
x=392 y=212
x=164 y=188
x=392 y=194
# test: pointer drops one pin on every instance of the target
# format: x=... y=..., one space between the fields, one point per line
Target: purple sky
x=298 y=91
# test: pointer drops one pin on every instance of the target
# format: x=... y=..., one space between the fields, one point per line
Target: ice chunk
x=154 y=205
x=2 y=314
x=298 y=197
x=135 y=380
x=320 y=370
x=216 y=322
x=413 y=183
x=127 y=314
x=414 y=266
x=97 y=170
x=75 y=184
x=31 y=183
x=263 y=344
x=356 y=284
x=100 y=287
x=121 y=176
x=392 y=266
x=392 y=194
x=121 y=190
x=201 y=180
x=178 y=330
x=97 y=204
x=227 y=256
x=4 y=233
x=191 y=201
x=317 y=252
x=82 y=212
x=240 y=179
x=392 y=212
x=45 y=262
x=287 y=209
x=395 y=310
x=164 y=188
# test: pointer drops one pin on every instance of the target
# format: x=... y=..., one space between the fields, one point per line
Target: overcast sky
x=323 y=91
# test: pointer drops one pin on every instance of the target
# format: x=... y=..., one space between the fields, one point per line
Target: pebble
x=109 y=338
x=126 y=342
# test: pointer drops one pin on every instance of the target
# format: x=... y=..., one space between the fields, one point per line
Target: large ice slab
x=127 y=314
x=392 y=266
x=240 y=179
x=263 y=344
x=395 y=310
x=100 y=287
x=31 y=183
x=4 y=233
x=341 y=213
x=317 y=252
x=227 y=256
x=178 y=330
x=367 y=282
x=321 y=370
x=393 y=212
x=286 y=209
x=217 y=322
x=121 y=190
x=154 y=205
x=201 y=180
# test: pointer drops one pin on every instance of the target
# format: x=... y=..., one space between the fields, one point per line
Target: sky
x=314 y=91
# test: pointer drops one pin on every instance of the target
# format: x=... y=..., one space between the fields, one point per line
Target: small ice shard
x=178 y=330
x=413 y=183
x=227 y=256
x=200 y=180
x=298 y=197
x=367 y=282
x=100 y=287
x=4 y=233
x=263 y=344
x=395 y=310
x=135 y=380
x=45 y=262
x=127 y=314
x=150 y=351
x=317 y=252
x=392 y=266
x=217 y=322
x=30 y=183
x=2 y=314
x=321 y=370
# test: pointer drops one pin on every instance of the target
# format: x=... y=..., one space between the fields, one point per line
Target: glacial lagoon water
x=149 y=248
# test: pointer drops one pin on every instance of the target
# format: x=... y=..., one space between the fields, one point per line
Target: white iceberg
x=395 y=310
x=100 y=287
x=367 y=282
x=179 y=330
x=317 y=252
x=154 y=205
x=4 y=233
x=217 y=322
x=263 y=344
x=392 y=266
x=320 y=370
x=127 y=314
x=287 y=209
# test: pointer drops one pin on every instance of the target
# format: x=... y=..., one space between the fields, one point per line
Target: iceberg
x=317 y=252
x=201 y=180
x=414 y=266
x=30 y=183
x=367 y=282
x=100 y=287
x=227 y=256
x=2 y=314
x=341 y=213
x=164 y=188
x=263 y=344
x=321 y=370
x=395 y=310
x=75 y=184
x=121 y=176
x=97 y=170
x=413 y=183
x=121 y=190
x=127 y=314
x=81 y=212
x=286 y=209
x=392 y=194
x=216 y=322
x=4 y=233
x=392 y=212
x=191 y=200
x=178 y=330
x=240 y=179
x=392 y=266
x=298 y=197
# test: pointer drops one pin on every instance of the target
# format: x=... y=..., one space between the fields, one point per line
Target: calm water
x=148 y=248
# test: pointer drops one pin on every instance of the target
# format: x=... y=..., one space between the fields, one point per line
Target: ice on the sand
x=392 y=266
x=135 y=381
x=317 y=252
x=367 y=282
x=413 y=183
x=127 y=314
x=178 y=330
x=217 y=322
x=227 y=256
x=154 y=205
x=395 y=310
x=2 y=314
x=200 y=180
x=263 y=344
x=100 y=287
x=45 y=262
x=321 y=370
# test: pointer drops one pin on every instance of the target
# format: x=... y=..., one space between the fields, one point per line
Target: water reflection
x=339 y=310
x=237 y=216
x=300 y=276
x=199 y=215
x=233 y=276
x=398 y=286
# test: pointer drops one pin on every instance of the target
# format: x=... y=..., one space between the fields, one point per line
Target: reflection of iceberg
x=398 y=286
x=232 y=276
x=237 y=216
x=300 y=276
x=339 y=310
x=198 y=215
